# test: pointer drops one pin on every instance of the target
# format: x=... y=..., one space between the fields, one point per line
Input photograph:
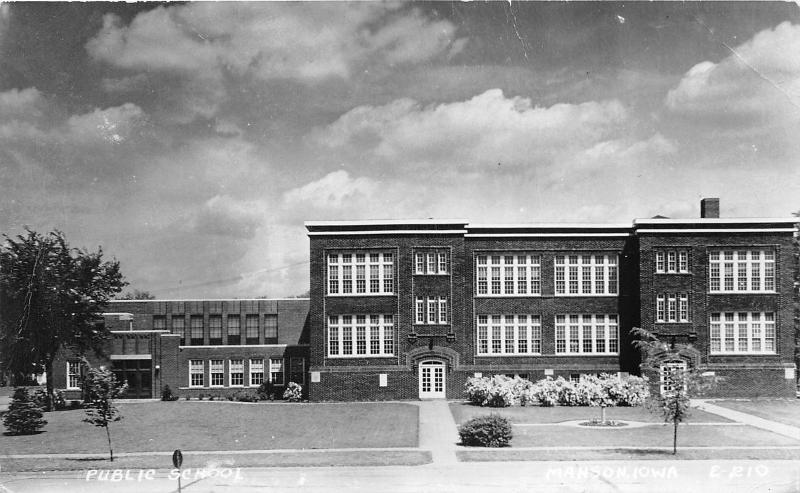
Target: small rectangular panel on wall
x=382 y=380
x=315 y=377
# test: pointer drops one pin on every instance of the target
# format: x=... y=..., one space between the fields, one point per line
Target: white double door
x=432 y=380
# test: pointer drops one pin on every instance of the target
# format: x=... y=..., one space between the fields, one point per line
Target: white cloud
x=270 y=40
x=224 y=215
x=111 y=125
x=332 y=191
x=490 y=128
x=757 y=85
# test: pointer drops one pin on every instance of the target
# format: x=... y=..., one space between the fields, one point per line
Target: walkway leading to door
x=437 y=431
x=748 y=419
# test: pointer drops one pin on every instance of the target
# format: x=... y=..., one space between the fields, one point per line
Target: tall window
x=234 y=329
x=669 y=261
x=672 y=307
x=251 y=329
x=581 y=275
x=588 y=334
x=373 y=273
x=256 y=372
x=742 y=332
x=509 y=334
x=196 y=373
x=215 y=329
x=378 y=340
x=511 y=274
x=178 y=327
x=73 y=375
x=276 y=371
x=197 y=330
x=270 y=329
x=431 y=262
x=237 y=372
x=216 y=369
x=737 y=271
x=159 y=322
x=431 y=311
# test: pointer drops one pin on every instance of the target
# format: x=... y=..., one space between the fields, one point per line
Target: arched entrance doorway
x=432 y=384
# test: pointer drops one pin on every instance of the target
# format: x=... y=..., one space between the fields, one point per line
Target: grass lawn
x=509 y=454
x=462 y=411
x=165 y=426
x=648 y=436
x=786 y=411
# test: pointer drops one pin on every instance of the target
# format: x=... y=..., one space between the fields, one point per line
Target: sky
x=191 y=141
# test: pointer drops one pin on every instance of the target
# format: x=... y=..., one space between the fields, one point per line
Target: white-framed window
x=741 y=271
x=430 y=311
x=373 y=273
x=742 y=333
x=582 y=275
x=256 y=372
x=672 y=261
x=236 y=370
x=501 y=335
x=430 y=262
x=196 y=373
x=672 y=307
x=509 y=274
x=360 y=335
x=671 y=374
x=276 y=371
x=73 y=375
x=587 y=334
x=216 y=370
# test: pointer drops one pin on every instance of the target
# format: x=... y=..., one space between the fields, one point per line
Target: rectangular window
x=586 y=275
x=509 y=334
x=443 y=263
x=196 y=373
x=159 y=322
x=276 y=371
x=660 y=264
x=431 y=262
x=512 y=275
x=432 y=310
x=378 y=340
x=419 y=311
x=270 y=329
x=215 y=329
x=251 y=329
x=742 y=332
x=586 y=334
x=442 y=310
x=237 y=372
x=672 y=261
x=373 y=273
x=179 y=327
x=73 y=375
x=196 y=325
x=741 y=271
x=217 y=371
x=234 y=329
x=256 y=372
x=419 y=263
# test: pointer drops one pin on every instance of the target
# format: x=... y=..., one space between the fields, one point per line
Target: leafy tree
x=23 y=417
x=51 y=297
x=679 y=383
x=137 y=295
x=102 y=387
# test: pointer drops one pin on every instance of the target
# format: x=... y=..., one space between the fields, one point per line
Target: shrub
x=40 y=399
x=23 y=417
x=293 y=392
x=242 y=396
x=497 y=391
x=167 y=395
x=266 y=391
x=486 y=431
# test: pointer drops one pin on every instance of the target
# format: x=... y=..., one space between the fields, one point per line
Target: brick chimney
x=709 y=208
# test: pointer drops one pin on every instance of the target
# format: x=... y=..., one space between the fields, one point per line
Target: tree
x=23 y=417
x=137 y=295
x=678 y=380
x=52 y=296
x=102 y=387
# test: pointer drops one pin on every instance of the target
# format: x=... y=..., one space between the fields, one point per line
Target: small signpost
x=177 y=461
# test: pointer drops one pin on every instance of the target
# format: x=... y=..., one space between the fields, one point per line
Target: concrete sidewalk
x=437 y=431
x=748 y=419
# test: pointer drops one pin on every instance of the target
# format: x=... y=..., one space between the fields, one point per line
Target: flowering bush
x=604 y=390
x=293 y=392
